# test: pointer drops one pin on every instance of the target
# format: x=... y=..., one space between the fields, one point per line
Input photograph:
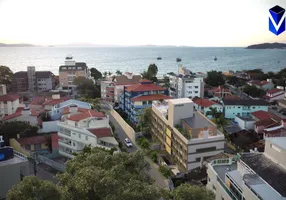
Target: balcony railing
x=232 y=196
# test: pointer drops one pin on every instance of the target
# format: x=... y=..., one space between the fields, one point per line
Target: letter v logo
x=277 y=20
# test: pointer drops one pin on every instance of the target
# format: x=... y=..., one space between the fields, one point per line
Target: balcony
x=66 y=144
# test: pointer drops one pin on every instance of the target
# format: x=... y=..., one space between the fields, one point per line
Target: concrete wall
x=230 y=111
x=128 y=129
x=275 y=153
x=11 y=174
x=244 y=124
x=51 y=126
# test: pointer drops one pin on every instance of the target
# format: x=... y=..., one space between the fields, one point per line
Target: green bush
x=143 y=143
x=165 y=171
x=154 y=156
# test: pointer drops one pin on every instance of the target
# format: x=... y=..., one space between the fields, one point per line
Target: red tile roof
x=220 y=89
x=267 y=123
x=273 y=91
x=7 y=117
x=52 y=102
x=66 y=110
x=9 y=97
x=203 y=102
x=101 y=132
x=33 y=140
x=151 y=97
x=144 y=87
x=261 y=115
x=38 y=100
x=79 y=109
x=19 y=109
x=85 y=115
x=34 y=112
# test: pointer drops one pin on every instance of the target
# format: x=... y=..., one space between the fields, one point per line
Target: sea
x=137 y=59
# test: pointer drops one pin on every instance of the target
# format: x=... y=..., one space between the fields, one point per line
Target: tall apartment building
x=251 y=176
x=139 y=96
x=71 y=70
x=82 y=129
x=187 y=136
x=186 y=86
x=32 y=80
x=111 y=90
x=13 y=167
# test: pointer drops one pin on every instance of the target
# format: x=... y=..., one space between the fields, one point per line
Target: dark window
x=28 y=147
x=206 y=149
x=37 y=146
x=253 y=107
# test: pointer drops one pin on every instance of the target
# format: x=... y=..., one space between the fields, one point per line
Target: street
x=44 y=172
x=237 y=91
x=154 y=173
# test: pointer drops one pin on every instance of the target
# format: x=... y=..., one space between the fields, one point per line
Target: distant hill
x=16 y=45
x=267 y=46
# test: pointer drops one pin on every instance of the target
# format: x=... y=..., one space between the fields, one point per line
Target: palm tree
x=118 y=73
x=220 y=121
x=109 y=73
x=105 y=74
x=213 y=112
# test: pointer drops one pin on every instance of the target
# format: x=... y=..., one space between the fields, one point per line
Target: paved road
x=154 y=173
x=237 y=92
x=44 y=172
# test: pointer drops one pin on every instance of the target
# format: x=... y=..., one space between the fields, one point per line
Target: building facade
x=263 y=85
x=188 y=137
x=251 y=176
x=32 y=80
x=274 y=95
x=242 y=107
x=107 y=91
x=71 y=70
x=9 y=103
x=139 y=96
x=186 y=86
x=205 y=106
x=13 y=167
x=83 y=129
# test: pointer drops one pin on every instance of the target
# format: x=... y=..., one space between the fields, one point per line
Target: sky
x=204 y=23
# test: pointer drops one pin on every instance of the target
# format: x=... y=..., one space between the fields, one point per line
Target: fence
x=47 y=161
x=126 y=127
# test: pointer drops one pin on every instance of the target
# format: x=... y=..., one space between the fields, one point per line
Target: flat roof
x=249 y=119
x=180 y=100
x=12 y=161
x=221 y=170
x=198 y=121
x=279 y=141
x=269 y=171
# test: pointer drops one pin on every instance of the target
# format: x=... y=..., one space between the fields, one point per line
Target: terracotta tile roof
x=273 y=91
x=79 y=109
x=66 y=110
x=151 y=97
x=101 y=132
x=33 y=140
x=85 y=115
x=9 y=97
x=19 y=109
x=52 y=102
x=38 y=100
x=144 y=87
x=7 y=117
x=125 y=80
x=203 y=102
x=34 y=112
x=268 y=123
x=261 y=115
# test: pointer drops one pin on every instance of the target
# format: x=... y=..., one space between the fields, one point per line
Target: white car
x=128 y=142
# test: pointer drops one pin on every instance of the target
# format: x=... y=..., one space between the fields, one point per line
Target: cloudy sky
x=138 y=22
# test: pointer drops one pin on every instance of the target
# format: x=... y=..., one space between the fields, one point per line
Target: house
x=205 y=105
x=32 y=80
x=188 y=137
x=220 y=92
x=245 y=123
x=9 y=103
x=251 y=175
x=107 y=91
x=79 y=130
x=54 y=100
x=39 y=144
x=274 y=95
x=72 y=70
x=139 y=96
x=263 y=85
x=242 y=107
x=186 y=84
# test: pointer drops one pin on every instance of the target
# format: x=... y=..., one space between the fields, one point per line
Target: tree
x=86 y=88
x=214 y=113
x=109 y=73
x=33 y=188
x=151 y=73
x=220 y=121
x=144 y=124
x=191 y=192
x=105 y=74
x=253 y=91
x=166 y=82
x=215 y=78
x=95 y=73
x=11 y=129
x=118 y=73
x=5 y=75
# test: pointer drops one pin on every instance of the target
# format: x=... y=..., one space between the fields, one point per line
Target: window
x=206 y=149
x=196 y=92
x=79 y=135
x=86 y=137
x=73 y=143
x=37 y=146
x=196 y=86
x=238 y=107
x=28 y=147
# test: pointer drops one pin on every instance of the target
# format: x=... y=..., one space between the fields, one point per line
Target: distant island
x=16 y=45
x=267 y=46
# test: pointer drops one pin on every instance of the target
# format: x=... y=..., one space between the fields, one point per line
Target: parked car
x=128 y=142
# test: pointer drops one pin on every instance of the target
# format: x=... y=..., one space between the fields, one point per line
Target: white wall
x=51 y=126
x=243 y=124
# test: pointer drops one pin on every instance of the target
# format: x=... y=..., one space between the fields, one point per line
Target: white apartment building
x=186 y=86
x=187 y=136
x=83 y=129
x=251 y=176
x=8 y=102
